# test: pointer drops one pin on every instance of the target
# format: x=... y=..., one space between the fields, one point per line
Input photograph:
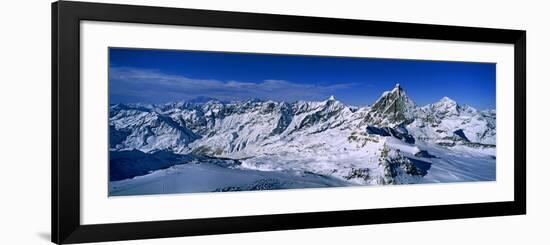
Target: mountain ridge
x=393 y=109
x=378 y=144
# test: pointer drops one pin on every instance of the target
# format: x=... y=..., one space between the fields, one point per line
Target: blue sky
x=159 y=76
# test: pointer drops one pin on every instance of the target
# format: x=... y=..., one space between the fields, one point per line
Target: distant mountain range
x=366 y=145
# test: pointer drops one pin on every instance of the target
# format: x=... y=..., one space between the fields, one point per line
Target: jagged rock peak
x=397 y=89
x=331 y=97
x=392 y=108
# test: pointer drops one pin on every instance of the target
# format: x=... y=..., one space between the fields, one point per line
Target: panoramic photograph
x=202 y=121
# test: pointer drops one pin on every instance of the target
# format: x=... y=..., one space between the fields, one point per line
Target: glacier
x=208 y=145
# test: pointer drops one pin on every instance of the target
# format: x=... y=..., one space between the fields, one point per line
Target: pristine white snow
x=188 y=178
x=283 y=145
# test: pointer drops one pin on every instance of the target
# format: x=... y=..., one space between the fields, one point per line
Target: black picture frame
x=66 y=18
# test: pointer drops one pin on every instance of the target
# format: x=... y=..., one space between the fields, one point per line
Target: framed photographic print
x=177 y=122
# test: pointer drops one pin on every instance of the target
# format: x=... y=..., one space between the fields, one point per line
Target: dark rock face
x=378 y=131
x=358 y=173
x=399 y=132
x=461 y=134
x=393 y=108
x=397 y=168
x=284 y=120
x=424 y=154
x=117 y=136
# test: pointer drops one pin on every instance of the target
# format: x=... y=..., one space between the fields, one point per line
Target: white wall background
x=25 y=121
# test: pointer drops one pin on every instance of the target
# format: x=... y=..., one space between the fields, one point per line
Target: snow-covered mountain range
x=394 y=141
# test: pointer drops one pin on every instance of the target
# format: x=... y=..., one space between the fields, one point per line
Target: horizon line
x=331 y=97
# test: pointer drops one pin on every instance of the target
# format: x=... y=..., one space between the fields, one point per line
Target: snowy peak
x=446 y=119
x=445 y=107
x=446 y=103
x=392 y=108
x=447 y=100
x=147 y=131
